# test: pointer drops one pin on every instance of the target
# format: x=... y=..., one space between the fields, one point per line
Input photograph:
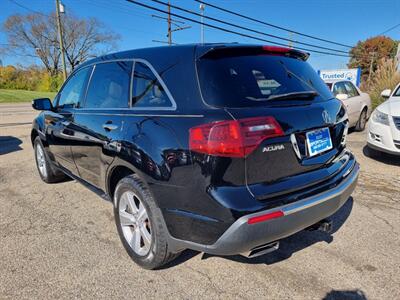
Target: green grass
x=14 y=96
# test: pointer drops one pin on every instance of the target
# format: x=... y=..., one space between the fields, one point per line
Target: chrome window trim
x=169 y=95
x=149 y=65
x=87 y=86
x=131 y=85
x=57 y=97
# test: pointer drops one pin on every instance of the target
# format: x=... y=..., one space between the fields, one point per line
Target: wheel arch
x=118 y=170
x=114 y=176
x=366 y=108
x=34 y=135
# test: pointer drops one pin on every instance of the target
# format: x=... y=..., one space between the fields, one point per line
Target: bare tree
x=35 y=35
x=83 y=39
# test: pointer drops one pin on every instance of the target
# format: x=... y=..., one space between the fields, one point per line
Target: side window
x=351 y=90
x=74 y=90
x=109 y=86
x=339 y=88
x=147 y=90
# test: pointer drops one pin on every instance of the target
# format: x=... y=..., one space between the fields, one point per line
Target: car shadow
x=351 y=130
x=350 y=295
x=9 y=144
x=381 y=157
x=288 y=246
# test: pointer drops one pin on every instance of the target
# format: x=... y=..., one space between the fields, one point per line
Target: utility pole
x=290 y=43
x=202 y=7
x=169 y=24
x=60 y=37
x=371 y=65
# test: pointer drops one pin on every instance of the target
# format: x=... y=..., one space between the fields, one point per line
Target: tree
x=372 y=51
x=35 y=35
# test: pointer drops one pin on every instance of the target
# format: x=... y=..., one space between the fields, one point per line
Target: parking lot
x=60 y=241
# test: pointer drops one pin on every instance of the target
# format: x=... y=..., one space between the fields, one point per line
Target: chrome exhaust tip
x=261 y=250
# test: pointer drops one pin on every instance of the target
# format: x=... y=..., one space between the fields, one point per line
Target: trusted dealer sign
x=352 y=75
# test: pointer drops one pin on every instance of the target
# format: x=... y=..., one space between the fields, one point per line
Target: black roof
x=165 y=53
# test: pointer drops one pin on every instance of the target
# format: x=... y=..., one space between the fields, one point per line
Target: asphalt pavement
x=60 y=241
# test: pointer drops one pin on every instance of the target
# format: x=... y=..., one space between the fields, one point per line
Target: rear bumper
x=242 y=237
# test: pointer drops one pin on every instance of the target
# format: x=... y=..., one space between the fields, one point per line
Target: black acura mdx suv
x=219 y=148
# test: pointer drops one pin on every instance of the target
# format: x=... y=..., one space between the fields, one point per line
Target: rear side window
x=242 y=81
x=339 y=88
x=351 y=90
x=109 y=86
x=73 y=91
x=147 y=90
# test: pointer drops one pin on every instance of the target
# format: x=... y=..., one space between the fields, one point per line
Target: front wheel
x=47 y=173
x=140 y=224
x=362 y=121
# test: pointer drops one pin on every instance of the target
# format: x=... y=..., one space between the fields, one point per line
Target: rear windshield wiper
x=295 y=96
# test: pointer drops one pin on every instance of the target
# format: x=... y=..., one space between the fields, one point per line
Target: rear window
x=243 y=81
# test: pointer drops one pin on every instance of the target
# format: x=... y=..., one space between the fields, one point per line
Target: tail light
x=234 y=138
x=288 y=51
x=276 y=49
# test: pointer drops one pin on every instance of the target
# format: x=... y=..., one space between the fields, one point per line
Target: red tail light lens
x=283 y=51
x=236 y=138
x=266 y=217
x=276 y=49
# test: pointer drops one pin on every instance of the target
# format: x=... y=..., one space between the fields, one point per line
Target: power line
x=231 y=31
x=390 y=29
x=124 y=10
x=272 y=25
x=249 y=29
x=171 y=22
x=27 y=8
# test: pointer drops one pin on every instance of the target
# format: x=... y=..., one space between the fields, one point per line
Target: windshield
x=242 y=81
x=397 y=92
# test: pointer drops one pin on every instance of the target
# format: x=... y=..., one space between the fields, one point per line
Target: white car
x=384 y=125
x=358 y=104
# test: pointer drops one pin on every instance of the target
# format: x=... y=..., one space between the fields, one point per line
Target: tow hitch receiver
x=323 y=225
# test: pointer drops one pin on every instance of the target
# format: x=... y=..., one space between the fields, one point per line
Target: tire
x=140 y=224
x=362 y=121
x=46 y=171
x=373 y=153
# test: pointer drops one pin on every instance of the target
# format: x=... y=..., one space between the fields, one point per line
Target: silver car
x=358 y=104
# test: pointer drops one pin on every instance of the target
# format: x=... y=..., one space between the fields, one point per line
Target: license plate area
x=318 y=141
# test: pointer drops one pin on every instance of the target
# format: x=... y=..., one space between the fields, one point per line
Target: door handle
x=109 y=126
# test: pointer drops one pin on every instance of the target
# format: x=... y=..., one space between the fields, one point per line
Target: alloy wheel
x=41 y=160
x=135 y=223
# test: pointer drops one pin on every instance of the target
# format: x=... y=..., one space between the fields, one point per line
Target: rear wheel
x=362 y=121
x=140 y=224
x=46 y=171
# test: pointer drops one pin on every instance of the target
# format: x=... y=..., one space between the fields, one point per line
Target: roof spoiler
x=226 y=51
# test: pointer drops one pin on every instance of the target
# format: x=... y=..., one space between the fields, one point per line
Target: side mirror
x=42 y=104
x=386 y=93
x=342 y=96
